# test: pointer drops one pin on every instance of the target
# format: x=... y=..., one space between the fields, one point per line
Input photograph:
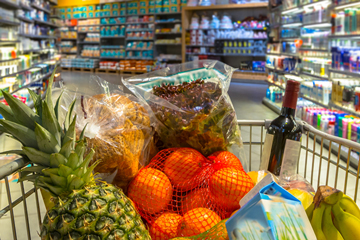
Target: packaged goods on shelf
x=89 y=22
x=342 y=20
x=89 y=29
x=316 y=66
x=140 y=27
x=136 y=65
x=255 y=66
x=146 y=54
x=140 y=35
x=285 y=64
x=167 y=57
x=92 y=37
x=68 y=33
x=7 y=14
x=275 y=94
x=315 y=40
x=137 y=45
x=112 y=31
x=317 y=90
x=68 y=47
x=137 y=19
x=90 y=51
x=113 y=53
x=79 y=63
x=112 y=65
x=175 y=29
x=168 y=41
x=113 y=20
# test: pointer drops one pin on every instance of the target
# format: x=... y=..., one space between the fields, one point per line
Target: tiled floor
x=246 y=99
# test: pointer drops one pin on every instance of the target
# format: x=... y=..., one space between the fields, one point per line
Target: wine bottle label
x=290 y=158
x=264 y=164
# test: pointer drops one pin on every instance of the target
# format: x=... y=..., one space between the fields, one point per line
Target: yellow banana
x=309 y=211
x=316 y=221
x=349 y=206
x=329 y=230
x=348 y=224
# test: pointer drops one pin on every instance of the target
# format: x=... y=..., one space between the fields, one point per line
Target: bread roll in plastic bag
x=191 y=104
x=118 y=128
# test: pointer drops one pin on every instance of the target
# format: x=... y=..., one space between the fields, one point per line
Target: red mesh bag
x=181 y=193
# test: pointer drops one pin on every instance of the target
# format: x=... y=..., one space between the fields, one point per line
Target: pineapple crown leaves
x=58 y=160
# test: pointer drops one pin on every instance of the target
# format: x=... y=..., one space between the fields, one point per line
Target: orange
x=197 y=221
x=257 y=176
x=182 y=166
x=229 y=185
x=226 y=158
x=151 y=190
x=198 y=198
x=166 y=226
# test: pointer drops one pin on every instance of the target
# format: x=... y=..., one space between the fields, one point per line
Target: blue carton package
x=269 y=212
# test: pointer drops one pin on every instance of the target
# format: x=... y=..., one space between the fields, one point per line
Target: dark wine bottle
x=283 y=136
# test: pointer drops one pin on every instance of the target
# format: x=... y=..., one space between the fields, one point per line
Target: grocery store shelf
x=88 y=43
x=8 y=5
x=109 y=37
x=163 y=44
x=227 y=6
x=138 y=23
x=139 y=30
x=204 y=45
x=168 y=33
x=69 y=53
x=345 y=109
x=139 y=58
x=112 y=47
x=37 y=50
x=68 y=39
x=345 y=36
x=353 y=74
x=112 y=24
x=130 y=49
x=313 y=50
x=26 y=69
x=241 y=39
x=24 y=7
x=314 y=101
x=170 y=13
x=37 y=80
x=284 y=54
x=36 y=36
x=345 y=5
x=281 y=71
x=41 y=22
x=40 y=8
x=9 y=41
x=165 y=22
x=317 y=25
x=7 y=22
x=314 y=3
x=229 y=54
x=315 y=76
x=113 y=58
x=142 y=39
x=275 y=84
x=90 y=57
x=8 y=60
x=289 y=39
x=24 y=19
x=52 y=3
x=208 y=29
x=93 y=25
x=55 y=16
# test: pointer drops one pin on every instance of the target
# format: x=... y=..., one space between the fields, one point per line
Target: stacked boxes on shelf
x=133 y=65
x=168 y=6
x=79 y=63
x=111 y=65
x=132 y=8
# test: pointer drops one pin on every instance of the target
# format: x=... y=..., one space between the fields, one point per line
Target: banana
x=349 y=225
x=329 y=230
x=310 y=210
x=317 y=220
x=349 y=206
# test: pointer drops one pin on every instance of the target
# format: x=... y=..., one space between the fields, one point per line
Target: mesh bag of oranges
x=182 y=193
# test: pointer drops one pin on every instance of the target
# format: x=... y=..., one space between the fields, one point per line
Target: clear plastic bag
x=118 y=128
x=191 y=103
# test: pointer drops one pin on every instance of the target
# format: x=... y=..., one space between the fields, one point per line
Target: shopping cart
x=324 y=159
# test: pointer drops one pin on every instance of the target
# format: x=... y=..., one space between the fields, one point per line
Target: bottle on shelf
x=282 y=143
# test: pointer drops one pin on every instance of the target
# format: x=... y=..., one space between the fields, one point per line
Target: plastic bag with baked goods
x=118 y=128
x=192 y=106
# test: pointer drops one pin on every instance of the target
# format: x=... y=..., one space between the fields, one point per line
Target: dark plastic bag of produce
x=192 y=105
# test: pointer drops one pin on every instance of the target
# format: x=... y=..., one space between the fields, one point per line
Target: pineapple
x=83 y=209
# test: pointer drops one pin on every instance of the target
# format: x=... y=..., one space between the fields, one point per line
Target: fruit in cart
x=151 y=190
x=197 y=221
x=217 y=232
x=226 y=158
x=349 y=206
x=228 y=186
x=305 y=197
x=82 y=208
x=182 y=166
x=257 y=176
x=198 y=198
x=165 y=227
x=347 y=224
x=328 y=228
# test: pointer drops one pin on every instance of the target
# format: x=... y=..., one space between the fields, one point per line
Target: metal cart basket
x=324 y=160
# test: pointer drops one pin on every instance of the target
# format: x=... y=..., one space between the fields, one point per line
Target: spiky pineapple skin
x=96 y=212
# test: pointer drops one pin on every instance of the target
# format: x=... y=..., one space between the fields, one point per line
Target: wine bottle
x=282 y=142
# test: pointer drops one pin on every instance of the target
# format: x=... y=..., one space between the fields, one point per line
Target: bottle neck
x=287 y=112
